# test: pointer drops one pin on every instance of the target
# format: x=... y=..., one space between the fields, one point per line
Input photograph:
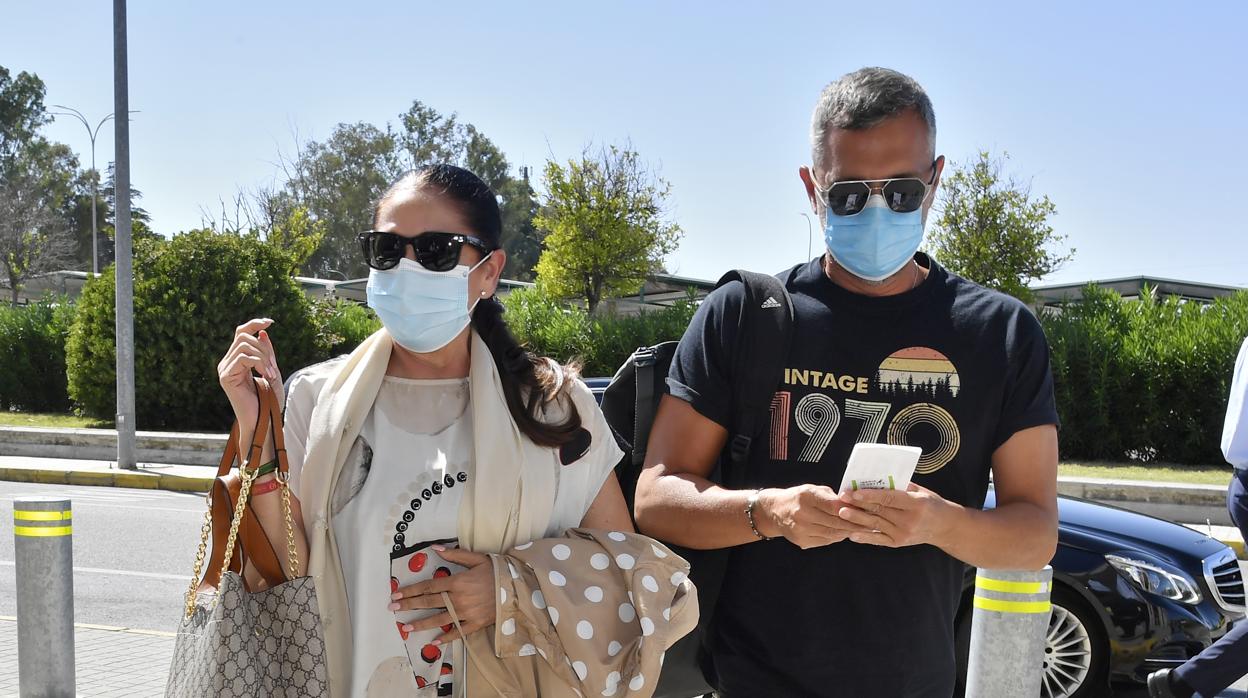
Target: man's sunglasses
x=902 y=195
x=434 y=251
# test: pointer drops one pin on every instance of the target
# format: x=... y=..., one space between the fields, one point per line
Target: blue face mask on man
x=423 y=310
x=875 y=243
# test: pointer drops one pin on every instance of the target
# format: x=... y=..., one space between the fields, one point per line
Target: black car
x=1131 y=594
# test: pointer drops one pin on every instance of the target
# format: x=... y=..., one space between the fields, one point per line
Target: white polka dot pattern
x=600 y=628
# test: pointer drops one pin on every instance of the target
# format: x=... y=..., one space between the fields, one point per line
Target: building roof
x=1133 y=287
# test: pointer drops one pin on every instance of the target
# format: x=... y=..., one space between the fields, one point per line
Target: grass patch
x=1154 y=472
x=40 y=419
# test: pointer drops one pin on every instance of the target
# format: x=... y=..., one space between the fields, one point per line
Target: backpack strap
x=643 y=371
x=764 y=333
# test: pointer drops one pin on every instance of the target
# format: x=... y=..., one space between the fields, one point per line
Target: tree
x=297 y=234
x=21 y=113
x=518 y=205
x=991 y=231
x=34 y=238
x=605 y=223
x=39 y=180
x=36 y=179
x=338 y=181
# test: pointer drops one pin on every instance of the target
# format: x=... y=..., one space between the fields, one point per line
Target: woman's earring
x=483 y=294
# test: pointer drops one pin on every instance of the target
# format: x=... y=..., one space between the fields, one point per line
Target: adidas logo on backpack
x=771 y=303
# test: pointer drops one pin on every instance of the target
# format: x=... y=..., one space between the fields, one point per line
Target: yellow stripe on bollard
x=42 y=515
x=990 y=584
x=43 y=531
x=1012 y=606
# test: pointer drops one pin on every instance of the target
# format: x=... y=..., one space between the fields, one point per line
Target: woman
x=439 y=430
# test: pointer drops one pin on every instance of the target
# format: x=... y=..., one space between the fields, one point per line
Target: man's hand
x=806 y=515
x=894 y=518
x=472 y=592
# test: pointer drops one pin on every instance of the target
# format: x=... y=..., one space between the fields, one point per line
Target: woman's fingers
x=250 y=345
x=236 y=370
x=253 y=326
x=453 y=634
x=267 y=343
x=435 y=621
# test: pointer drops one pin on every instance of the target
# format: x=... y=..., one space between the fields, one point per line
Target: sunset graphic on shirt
x=919 y=371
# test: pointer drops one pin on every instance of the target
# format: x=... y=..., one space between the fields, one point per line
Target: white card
x=880 y=467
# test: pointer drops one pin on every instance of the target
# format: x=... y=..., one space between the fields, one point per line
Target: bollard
x=1008 y=629
x=42 y=529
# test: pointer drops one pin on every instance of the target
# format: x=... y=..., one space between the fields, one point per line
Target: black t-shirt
x=948 y=366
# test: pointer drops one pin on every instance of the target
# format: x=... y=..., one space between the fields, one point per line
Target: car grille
x=1226 y=581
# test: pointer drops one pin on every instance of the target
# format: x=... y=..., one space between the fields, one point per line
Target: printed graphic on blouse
x=429 y=666
x=904 y=403
x=409 y=564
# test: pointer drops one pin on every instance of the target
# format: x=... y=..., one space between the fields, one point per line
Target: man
x=1226 y=661
x=829 y=595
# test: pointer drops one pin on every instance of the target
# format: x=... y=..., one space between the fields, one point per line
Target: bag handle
x=268 y=419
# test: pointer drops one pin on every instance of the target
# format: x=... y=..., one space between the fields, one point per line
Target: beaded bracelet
x=749 y=514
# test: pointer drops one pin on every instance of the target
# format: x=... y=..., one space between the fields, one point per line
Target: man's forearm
x=694 y=512
x=1015 y=536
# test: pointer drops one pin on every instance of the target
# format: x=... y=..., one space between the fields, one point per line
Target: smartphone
x=880 y=467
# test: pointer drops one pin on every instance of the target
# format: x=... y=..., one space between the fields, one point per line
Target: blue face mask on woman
x=423 y=310
x=875 y=243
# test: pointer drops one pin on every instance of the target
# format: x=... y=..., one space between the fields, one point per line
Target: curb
x=137 y=480
x=1237 y=546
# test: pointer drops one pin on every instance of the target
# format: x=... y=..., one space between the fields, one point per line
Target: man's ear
x=808 y=179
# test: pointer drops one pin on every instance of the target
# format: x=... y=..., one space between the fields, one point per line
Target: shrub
x=1144 y=380
x=32 y=354
x=599 y=343
x=189 y=295
x=341 y=326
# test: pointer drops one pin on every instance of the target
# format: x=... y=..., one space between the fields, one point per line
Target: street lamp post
x=809 y=232
x=95 y=178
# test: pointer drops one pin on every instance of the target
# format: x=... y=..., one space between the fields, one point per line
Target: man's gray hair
x=864 y=98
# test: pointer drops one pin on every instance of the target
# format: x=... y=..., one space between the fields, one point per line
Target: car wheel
x=1076 y=651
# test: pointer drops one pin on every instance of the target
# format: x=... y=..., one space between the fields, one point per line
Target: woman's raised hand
x=252 y=349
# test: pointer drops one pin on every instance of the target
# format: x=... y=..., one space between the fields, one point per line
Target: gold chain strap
x=246 y=477
x=291 y=551
x=199 y=559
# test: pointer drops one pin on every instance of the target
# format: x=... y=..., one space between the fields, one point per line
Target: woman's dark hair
x=530 y=382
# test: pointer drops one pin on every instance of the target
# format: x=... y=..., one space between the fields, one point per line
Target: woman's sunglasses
x=902 y=195
x=434 y=251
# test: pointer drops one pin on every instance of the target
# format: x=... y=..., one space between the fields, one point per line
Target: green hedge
x=32 y=354
x=341 y=325
x=1144 y=380
x=189 y=295
x=599 y=343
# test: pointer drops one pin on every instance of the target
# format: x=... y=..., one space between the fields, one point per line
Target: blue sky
x=1129 y=116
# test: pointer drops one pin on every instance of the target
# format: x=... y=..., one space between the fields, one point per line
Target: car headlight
x=1155 y=579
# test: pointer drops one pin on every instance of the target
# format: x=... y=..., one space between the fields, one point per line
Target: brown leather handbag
x=249 y=640
x=253 y=552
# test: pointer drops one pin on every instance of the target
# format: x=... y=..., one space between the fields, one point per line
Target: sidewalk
x=149 y=476
x=109 y=662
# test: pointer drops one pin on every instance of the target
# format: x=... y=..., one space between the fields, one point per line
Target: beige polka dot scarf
x=589 y=614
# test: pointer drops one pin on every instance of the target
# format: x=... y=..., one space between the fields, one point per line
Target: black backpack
x=764 y=331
